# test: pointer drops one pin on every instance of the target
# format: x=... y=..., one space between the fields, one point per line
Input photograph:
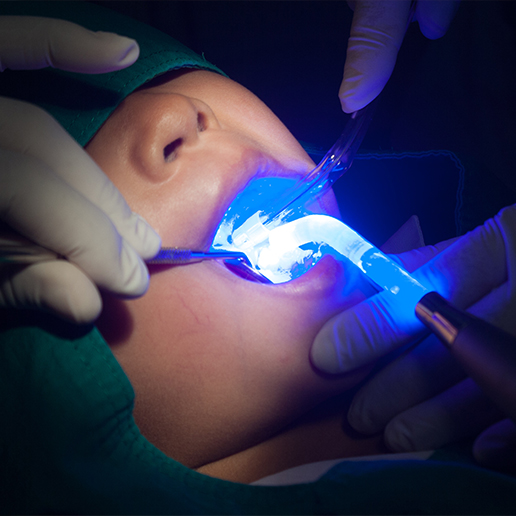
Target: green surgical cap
x=83 y=102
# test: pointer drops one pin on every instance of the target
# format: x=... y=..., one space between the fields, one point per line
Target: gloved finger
x=30 y=130
x=29 y=43
x=476 y=264
x=328 y=353
x=421 y=373
x=377 y=31
x=41 y=206
x=463 y=273
x=362 y=334
x=495 y=448
x=435 y=16
x=351 y=336
x=412 y=260
x=458 y=413
x=55 y=286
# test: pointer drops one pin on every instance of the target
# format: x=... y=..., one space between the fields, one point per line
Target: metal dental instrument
x=177 y=256
x=17 y=249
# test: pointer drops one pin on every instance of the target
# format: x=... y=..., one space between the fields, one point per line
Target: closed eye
x=170 y=151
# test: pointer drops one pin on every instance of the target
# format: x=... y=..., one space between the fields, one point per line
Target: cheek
x=218 y=363
x=200 y=317
x=261 y=325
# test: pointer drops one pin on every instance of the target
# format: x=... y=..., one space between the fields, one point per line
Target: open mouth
x=242 y=229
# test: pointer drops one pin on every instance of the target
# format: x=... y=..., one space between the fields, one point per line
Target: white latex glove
x=54 y=194
x=422 y=399
x=377 y=32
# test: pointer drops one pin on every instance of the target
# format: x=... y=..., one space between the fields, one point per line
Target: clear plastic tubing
x=378 y=267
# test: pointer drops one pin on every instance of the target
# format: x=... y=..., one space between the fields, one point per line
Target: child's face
x=218 y=363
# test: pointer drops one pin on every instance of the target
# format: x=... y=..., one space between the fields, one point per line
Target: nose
x=190 y=118
x=167 y=127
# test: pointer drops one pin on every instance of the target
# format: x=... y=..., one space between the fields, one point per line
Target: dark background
x=456 y=93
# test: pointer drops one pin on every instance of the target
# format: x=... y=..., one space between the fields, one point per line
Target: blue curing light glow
x=257 y=198
x=390 y=276
x=242 y=229
x=286 y=249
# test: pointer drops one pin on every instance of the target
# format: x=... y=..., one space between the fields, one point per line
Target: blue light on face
x=241 y=227
x=288 y=248
x=258 y=195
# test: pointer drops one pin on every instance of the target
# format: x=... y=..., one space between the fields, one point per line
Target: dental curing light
x=487 y=354
x=278 y=251
x=285 y=240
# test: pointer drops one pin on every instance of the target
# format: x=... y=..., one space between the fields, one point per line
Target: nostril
x=170 y=150
x=201 y=122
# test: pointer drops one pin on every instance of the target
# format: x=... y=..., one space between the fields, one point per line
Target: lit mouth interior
x=281 y=250
x=285 y=249
x=241 y=230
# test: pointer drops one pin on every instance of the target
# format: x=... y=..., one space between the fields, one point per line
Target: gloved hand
x=377 y=31
x=422 y=399
x=55 y=195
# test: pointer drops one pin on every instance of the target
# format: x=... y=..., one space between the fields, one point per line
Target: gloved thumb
x=59 y=287
x=377 y=32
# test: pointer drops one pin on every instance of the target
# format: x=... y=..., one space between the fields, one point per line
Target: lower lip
x=245 y=272
x=326 y=273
